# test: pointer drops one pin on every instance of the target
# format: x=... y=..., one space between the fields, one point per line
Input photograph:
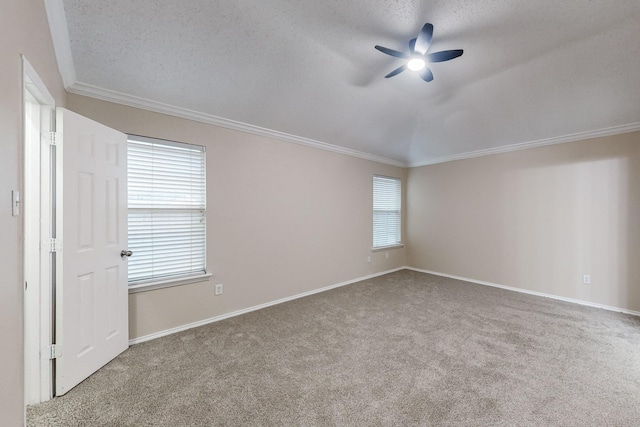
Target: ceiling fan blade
x=412 y=46
x=445 y=55
x=424 y=39
x=396 y=71
x=392 y=52
x=426 y=74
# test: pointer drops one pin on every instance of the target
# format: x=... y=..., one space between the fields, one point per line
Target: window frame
x=398 y=243
x=177 y=279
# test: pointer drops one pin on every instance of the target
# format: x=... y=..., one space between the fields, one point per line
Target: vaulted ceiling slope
x=532 y=73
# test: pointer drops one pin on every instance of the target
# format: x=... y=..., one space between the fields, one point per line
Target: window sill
x=385 y=248
x=168 y=283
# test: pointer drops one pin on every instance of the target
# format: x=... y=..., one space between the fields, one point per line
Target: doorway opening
x=39 y=158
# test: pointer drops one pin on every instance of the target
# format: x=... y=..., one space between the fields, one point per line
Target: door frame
x=39 y=227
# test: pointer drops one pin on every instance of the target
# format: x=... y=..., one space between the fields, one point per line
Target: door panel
x=91 y=279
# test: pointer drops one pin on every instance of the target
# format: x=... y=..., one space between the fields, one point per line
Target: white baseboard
x=337 y=285
x=254 y=308
x=526 y=291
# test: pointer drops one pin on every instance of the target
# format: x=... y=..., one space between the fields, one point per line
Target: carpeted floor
x=403 y=349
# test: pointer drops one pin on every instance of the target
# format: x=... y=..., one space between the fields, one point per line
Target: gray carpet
x=404 y=349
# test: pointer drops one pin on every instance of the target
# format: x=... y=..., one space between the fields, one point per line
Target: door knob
x=126 y=254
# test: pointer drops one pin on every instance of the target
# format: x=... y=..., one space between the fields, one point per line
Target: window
x=386 y=211
x=167 y=210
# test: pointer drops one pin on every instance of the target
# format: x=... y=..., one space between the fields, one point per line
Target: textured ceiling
x=531 y=70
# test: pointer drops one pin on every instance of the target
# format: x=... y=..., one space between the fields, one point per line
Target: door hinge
x=54 y=245
x=55 y=351
x=51 y=138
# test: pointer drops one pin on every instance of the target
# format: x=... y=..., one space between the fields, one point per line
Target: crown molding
x=614 y=130
x=61 y=41
x=62 y=48
x=158 y=107
x=184 y=113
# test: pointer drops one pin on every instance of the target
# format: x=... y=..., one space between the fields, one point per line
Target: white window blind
x=167 y=209
x=386 y=211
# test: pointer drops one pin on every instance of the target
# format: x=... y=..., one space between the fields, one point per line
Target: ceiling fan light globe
x=416 y=64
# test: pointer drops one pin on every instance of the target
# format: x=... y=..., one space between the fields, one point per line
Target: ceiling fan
x=417 y=57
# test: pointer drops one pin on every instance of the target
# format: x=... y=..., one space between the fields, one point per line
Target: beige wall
x=23 y=30
x=282 y=218
x=285 y=219
x=536 y=219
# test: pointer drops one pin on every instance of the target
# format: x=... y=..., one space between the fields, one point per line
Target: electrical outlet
x=218 y=289
x=369 y=259
x=386 y=255
x=586 y=279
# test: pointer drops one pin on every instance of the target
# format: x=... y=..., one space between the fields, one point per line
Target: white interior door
x=91 y=277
